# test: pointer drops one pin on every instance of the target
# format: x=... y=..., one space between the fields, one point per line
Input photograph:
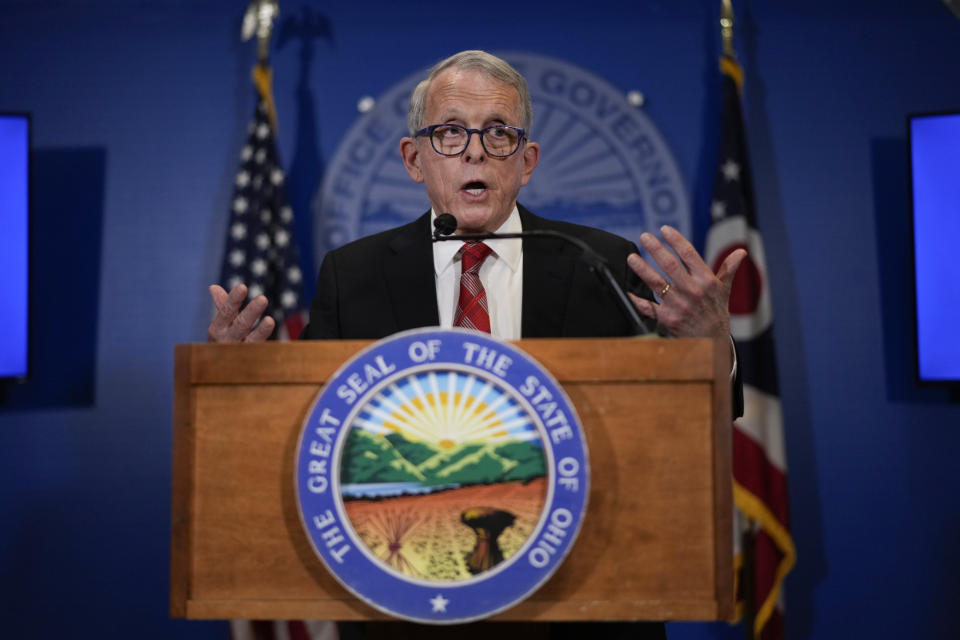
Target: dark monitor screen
x=935 y=174
x=14 y=242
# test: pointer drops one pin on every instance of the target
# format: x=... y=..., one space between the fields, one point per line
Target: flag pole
x=747 y=590
x=726 y=28
x=747 y=587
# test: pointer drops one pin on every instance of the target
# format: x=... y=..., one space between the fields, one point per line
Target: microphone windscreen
x=445 y=224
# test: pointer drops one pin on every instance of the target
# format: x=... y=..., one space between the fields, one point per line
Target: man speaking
x=469 y=145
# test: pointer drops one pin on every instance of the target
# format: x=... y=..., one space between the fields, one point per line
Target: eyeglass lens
x=453 y=139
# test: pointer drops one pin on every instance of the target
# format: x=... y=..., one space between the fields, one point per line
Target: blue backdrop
x=157 y=96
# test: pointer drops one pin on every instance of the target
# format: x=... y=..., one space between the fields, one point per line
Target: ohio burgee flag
x=759 y=458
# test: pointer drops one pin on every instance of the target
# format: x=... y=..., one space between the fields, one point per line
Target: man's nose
x=474 y=151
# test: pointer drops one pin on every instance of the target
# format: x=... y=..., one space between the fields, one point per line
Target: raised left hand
x=693 y=300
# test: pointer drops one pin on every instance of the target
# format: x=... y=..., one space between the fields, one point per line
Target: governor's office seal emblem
x=603 y=161
x=442 y=475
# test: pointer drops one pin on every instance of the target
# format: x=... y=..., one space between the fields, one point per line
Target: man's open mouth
x=475 y=188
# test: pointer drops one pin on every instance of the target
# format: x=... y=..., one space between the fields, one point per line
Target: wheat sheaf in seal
x=442 y=475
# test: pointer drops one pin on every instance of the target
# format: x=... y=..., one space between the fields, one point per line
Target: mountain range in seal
x=369 y=457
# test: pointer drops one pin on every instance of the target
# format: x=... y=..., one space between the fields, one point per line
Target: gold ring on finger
x=665 y=289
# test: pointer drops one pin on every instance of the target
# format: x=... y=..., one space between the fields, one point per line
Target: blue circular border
x=331 y=534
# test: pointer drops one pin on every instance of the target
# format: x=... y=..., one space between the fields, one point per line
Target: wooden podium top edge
x=581 y=360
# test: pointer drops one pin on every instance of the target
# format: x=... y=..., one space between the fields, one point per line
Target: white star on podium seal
x=439 y=603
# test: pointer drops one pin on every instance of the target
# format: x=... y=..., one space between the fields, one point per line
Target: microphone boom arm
x=594 y=260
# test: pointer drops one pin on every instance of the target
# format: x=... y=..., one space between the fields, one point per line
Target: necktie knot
x=472 y=256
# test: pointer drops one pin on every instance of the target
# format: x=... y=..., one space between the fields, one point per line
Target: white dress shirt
x=501 y=275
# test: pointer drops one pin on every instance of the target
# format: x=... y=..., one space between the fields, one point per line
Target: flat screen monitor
x=14 y=242
x=934 y=143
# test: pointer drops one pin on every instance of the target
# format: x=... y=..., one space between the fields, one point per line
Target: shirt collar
x=507 y=250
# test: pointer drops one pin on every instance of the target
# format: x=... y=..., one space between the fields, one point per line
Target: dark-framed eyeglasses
x=498 y=140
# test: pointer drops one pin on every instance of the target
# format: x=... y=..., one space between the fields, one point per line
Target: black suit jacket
x=385 y=283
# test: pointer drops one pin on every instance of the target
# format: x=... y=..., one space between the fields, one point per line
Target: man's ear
x=410 y=154
x=531 y=157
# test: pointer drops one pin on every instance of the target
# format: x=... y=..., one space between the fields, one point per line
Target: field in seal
x=422 y=536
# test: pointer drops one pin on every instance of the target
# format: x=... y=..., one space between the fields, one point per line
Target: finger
x=218 y=294
x=688 y=254
x=729 y=267
x=243 y=325
x=227 y=306
x=650 y=276
x=643 y=306
x=262 y=331
x=662 y=256
x=237 y=295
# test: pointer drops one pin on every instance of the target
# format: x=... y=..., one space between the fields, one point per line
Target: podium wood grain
x=656 y=543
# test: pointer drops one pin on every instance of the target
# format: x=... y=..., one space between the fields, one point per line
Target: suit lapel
x=548 y=266
x=547 y=272
x=408 y=271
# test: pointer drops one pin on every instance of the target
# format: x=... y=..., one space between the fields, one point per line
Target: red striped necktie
x=472 y=310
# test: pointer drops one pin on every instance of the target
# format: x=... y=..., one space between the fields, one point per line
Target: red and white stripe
x=283 y=630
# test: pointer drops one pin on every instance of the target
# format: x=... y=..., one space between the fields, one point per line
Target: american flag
x=283 y=630
x=759 y=456
x=261 y=251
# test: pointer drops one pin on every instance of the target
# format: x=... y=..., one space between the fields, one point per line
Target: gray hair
x=474 y=60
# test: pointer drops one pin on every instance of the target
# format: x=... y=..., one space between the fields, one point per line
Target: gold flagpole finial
x=259 y=20
x=726 y=29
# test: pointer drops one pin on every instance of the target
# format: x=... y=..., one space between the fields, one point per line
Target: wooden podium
x=656 y=542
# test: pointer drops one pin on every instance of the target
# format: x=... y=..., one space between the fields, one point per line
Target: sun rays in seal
x=447 y=409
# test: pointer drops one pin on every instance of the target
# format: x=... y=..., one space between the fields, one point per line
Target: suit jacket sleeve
x=324 y=317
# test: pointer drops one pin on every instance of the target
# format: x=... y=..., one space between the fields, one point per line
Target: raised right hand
x=230 y=324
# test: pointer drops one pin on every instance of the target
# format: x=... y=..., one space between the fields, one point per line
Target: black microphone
x=445 y=224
